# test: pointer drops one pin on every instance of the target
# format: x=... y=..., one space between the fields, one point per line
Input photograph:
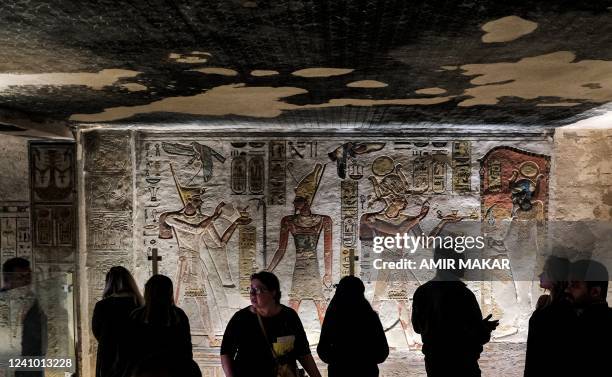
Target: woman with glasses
x=266 y=338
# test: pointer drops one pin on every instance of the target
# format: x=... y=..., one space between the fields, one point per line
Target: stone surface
x=497 y=359
x=14 y=167
x=83 y=61
x=259 y=177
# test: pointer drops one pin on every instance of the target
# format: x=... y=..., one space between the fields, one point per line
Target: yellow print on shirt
x=283 y=345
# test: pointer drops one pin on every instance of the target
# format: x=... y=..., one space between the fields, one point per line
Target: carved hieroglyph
x=350 y=226
x=15 y=235
x=52 y=172
x=248 y=246
x=109 y=230
x=462 y=166
x=276 y=173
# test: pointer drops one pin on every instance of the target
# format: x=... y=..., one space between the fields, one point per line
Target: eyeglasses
x=257 y=291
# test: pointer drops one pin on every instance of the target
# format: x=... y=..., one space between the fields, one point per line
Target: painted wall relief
x=202 y=253
x=217 y=209
x=514 y=185
x=391 y=188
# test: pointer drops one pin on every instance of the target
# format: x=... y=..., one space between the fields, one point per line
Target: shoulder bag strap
x=263 y=330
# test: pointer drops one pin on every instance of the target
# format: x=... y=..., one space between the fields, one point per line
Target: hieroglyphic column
x=54 y=233
x=276 y=173
x=108 y=203
x=247 y=244
x=462 y=166
x=350 y=226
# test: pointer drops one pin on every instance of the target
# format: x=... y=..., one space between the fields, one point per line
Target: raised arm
x=187 y=226
x=282 y=244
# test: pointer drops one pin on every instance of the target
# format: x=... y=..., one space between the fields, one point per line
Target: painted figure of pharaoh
x=391 y=188
x=203 y=272
x=306 y=228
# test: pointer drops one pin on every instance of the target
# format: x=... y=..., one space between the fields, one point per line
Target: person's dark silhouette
x=110 y=320
x=352 y=340
x=159 y=329
x=552 y=324
x=446 y=314
x=587 y=291
x=17 y=281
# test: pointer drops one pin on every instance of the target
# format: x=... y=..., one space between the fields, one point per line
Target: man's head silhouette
x=16 y=273
x=588 y=283
x=449 y=254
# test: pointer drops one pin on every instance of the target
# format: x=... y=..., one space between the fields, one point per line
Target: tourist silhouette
x=158 y=330
x=587 y=291
x=352 y=340
x=446 y=314
x=19 y=296
x=110 y=320
x=552 y=325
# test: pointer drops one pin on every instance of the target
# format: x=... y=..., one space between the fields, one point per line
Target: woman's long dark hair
x=349 y=298
x=159 y=306
x=557 y=270
x=119 y=281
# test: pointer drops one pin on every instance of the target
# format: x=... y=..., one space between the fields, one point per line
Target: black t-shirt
x=246 y=344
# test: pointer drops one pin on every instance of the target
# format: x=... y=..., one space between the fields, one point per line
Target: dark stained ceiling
x=291 y=63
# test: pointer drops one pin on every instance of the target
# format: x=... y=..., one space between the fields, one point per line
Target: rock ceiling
x=303 y=62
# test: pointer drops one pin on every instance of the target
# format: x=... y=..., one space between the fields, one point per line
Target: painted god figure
x=514 y=200
x=306 y=227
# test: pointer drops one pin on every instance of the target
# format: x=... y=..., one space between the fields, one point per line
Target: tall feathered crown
x=187 y=193
x=309 y=184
